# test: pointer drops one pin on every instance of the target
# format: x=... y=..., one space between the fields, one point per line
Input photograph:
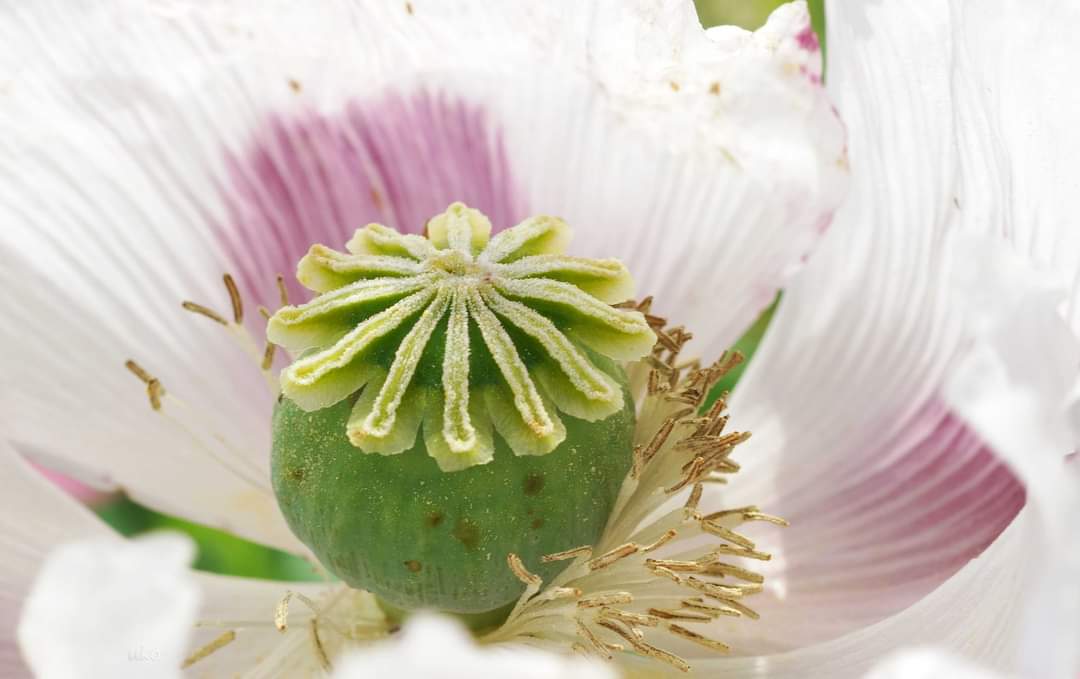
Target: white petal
x=147 y=148
x=431 y=646
x=35 y=517
x=1016 y=127
x=1013 y=386
x=111 y=608
x=927 y=663
x=717 y=173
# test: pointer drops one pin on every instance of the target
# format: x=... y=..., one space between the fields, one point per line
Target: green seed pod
x=503 y=354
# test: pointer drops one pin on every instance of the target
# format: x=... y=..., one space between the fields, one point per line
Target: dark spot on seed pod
x=534 y=483
x=280 y=398
x=468 y=533
x=413 y=566
x=537 y=523
x=433 y=519
x=296 y=474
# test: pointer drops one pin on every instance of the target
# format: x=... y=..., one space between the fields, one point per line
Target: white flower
x=149 y=147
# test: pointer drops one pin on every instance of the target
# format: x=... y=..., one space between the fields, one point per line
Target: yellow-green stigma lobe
x=459 y=333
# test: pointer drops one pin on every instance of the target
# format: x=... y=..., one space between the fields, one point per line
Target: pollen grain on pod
x=458 y=332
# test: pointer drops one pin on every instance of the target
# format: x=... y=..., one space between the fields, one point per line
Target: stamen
x=154 y=390
x=667 y=537
x=768 y=518
x=209 y=649
x=568 y=554
x=268 y=356
x=645 y=649
x=599 y=646
x=283 y=292
x=711 y=644
x=316 y=642
x=235 y=299
x=711 y=611
x=675 y=615
x=695 y=497
x=522 y=573
x=204 y=311
x=628 y=617
x=605 y=560
x=601 y=600
x=281 y=611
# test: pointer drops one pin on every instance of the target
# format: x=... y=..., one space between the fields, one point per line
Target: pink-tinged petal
x=35 y=517
x=716 y=165
x=397 y=160
x=973 y=613
x=150 y=147
x=76 y=489
x=891 y=481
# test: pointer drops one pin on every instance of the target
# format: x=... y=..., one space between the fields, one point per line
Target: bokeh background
x=223 y=553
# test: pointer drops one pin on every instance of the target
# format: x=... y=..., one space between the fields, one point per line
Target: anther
x=281 y=611
x=234 y=299
x=283 y=292
x=154 y=390
x=268 y=356
x=711 y=644
x=620 y=552
x=676 y=615
x=594 y=641
x=629 y=617
x=769 y=518
x=601 y=600
x=667 y=537
x=204 y=311
x=209 y=649
x=568 y=554
x=694 y=497
x=634 y=638
x=519 y=570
